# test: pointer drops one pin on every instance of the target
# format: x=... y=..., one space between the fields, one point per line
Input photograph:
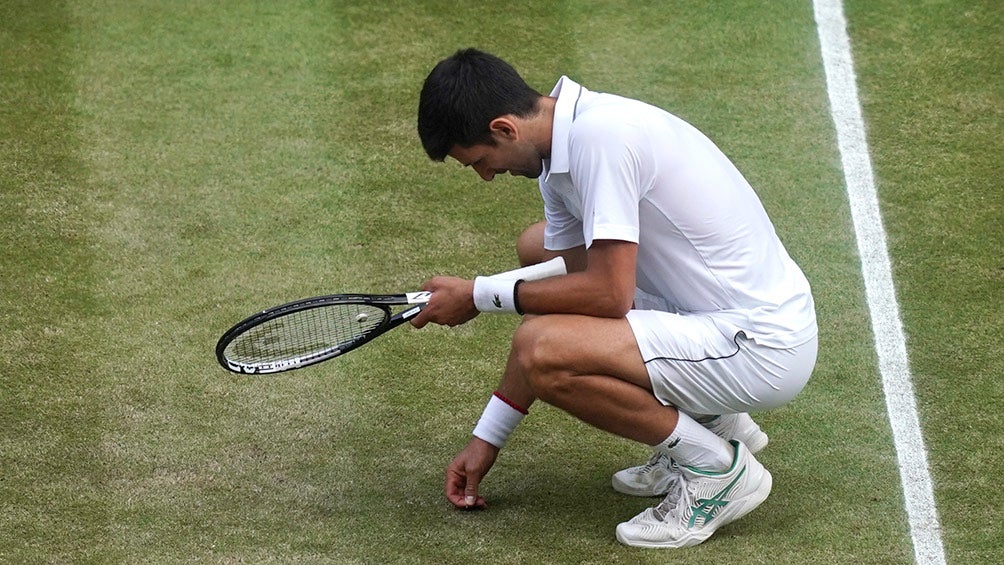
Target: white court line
x=890 y=342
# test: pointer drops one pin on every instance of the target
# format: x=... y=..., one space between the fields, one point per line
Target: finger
x=420 y=320
x=455 y=488
x=471 y=490
x=479 y=504
x=430 y=285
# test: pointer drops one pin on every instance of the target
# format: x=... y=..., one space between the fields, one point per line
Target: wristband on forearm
x=494 y=295
x=500 y=418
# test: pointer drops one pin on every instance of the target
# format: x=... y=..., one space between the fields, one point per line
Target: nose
x=487 y=173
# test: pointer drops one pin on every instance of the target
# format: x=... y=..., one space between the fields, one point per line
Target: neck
x=541 y=125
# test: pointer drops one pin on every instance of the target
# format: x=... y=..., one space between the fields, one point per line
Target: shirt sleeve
x=605 y=161
x=562 y=230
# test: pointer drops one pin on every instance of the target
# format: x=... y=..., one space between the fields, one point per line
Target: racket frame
x=381 y=301
x=418 y=300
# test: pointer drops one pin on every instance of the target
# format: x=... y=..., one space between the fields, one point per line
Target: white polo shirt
x=624 y=170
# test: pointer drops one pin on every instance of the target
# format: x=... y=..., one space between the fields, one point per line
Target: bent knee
x=538 y=351
x=530 y=245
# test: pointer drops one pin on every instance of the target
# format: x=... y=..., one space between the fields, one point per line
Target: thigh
x=582 y=345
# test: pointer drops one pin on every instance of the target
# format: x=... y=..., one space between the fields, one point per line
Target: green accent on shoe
x=735 y=459
x=707 y=507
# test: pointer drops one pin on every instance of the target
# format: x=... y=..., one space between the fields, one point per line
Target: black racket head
x=301 y=333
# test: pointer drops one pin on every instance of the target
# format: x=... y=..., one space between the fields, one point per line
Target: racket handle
x=547 y=269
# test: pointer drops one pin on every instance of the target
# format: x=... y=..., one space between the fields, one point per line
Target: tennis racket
x=308 y=331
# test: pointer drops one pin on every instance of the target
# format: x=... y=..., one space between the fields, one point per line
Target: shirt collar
x=568 y=92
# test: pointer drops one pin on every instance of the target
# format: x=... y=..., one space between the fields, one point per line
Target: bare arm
x=605 y=288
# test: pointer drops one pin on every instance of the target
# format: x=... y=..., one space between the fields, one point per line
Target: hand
x=451 y=304
x=464 y=474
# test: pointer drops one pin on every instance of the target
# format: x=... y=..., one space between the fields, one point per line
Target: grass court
x=169 y=167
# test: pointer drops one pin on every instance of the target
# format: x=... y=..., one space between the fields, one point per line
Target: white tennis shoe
x=699 y=503
x=656 y=476
x=651 y=479
x=740 y=427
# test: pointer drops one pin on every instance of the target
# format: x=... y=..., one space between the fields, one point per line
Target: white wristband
x=497 y=422
x=494 y=295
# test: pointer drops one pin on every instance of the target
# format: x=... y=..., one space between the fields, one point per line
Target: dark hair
x=463 y=94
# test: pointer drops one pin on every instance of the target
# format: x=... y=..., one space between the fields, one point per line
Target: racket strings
x=305 y=333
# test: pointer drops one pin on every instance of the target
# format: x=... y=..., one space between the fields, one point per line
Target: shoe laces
x=678 y=491
x=657 y=460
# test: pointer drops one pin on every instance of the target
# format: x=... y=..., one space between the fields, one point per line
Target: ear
x=504 y=127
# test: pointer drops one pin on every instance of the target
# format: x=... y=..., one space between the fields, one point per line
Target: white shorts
x=700 y=370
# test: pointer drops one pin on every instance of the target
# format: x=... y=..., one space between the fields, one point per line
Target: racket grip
x=547 y=269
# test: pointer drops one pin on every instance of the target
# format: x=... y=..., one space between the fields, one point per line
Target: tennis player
x=681 y=314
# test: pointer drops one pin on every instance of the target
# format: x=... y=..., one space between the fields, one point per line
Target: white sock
x=693 y=445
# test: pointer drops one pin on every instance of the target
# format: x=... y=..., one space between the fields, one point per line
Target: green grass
x=933 y=87
x=167 y=168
